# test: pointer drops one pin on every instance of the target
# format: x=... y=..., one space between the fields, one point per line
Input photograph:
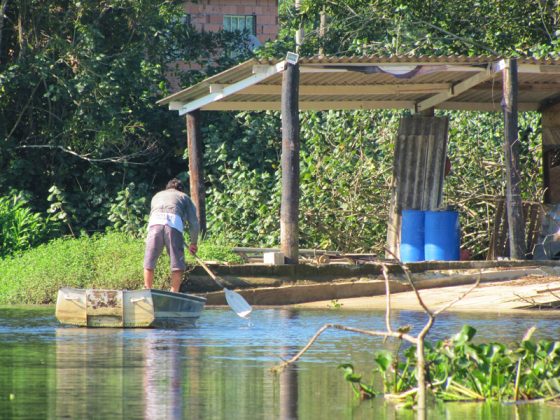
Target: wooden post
x=514 y=206
x=196 y=167
x=289 y=210
x=299 y=32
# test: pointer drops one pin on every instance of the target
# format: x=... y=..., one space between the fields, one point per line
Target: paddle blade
x=237 y=303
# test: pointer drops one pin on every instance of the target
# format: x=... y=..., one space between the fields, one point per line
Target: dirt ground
x=527 y=293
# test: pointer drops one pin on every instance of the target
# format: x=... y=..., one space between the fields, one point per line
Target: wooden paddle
x=235 y=301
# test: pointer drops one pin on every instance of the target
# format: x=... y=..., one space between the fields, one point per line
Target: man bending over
x=170 y=209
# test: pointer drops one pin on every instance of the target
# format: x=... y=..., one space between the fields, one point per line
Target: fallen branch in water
x=321 y=330
x=401 y=335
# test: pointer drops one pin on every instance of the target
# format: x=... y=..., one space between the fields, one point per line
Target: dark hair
x=175 y=183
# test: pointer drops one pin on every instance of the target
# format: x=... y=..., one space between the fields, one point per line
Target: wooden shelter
x=419 y=84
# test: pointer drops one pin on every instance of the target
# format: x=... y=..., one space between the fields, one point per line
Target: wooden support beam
x=345 y=67
x=307 y=105
x=260 y=73
x=343 y=90
x=514 y=206
x=351 y=105
x=455 y=90
x=527 y=68
x=196 y=167
x=289 y=210
x=487 y=106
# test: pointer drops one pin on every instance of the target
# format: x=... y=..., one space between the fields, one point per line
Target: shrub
x=20 y=227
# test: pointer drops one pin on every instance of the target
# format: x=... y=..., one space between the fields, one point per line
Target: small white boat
x=126 y=308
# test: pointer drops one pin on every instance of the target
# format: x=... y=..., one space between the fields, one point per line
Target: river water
x=220 y=369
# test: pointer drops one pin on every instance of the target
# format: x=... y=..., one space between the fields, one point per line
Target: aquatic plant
x=460 y=370
x=334 y=304
x=455 y=369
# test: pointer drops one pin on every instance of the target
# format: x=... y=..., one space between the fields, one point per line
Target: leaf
x=384 y=360
x=466 y=334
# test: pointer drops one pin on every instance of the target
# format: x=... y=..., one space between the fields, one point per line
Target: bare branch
x=20 y=116
x=387 y=299
x=410 y=281
x=402 y=336
x=528 y=300
x=453 y=302
x=115 y=159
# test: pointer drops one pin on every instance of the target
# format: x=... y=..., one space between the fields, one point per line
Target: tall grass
x=111 y=261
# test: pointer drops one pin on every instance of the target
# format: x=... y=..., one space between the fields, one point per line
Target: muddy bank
x=363 y=285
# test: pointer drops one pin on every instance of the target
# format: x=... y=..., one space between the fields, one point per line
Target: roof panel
x=457 y=82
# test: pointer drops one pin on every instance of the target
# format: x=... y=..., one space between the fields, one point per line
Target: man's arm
x=194 y=227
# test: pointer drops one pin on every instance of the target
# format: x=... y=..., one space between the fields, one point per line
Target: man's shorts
x=160 y=236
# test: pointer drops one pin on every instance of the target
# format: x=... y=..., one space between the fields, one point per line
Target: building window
x=240 y=23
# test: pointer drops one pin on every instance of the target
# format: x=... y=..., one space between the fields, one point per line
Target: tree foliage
x=432 y=27
x=79 y=81
x=82 y=136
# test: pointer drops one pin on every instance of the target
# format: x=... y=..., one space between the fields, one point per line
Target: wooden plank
x=487 y=106
x=533 y=214
x=260 y=73
x=437 y=67
x=346 y=90
x=516 y=227
x=455 y=90
x=196 y=167
x=492 y=251
x=224 y=105
x=289 y=209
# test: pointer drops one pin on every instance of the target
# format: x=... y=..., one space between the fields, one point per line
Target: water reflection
x=90 y=369
x=117 y=376
x=221 y=369
x=289 y=377
x=163 y=387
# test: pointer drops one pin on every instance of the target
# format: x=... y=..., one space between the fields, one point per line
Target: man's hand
x=193 y=248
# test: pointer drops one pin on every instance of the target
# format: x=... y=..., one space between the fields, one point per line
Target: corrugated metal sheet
x=539 y=80
x=418 y=170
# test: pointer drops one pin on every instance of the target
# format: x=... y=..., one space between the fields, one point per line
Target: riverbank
x=525 y=294
x=504 y=285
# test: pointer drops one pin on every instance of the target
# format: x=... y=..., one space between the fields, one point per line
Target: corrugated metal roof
x=369 y=82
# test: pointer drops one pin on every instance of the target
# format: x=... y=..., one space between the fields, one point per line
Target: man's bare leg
x=148 y=278
x=176 y=279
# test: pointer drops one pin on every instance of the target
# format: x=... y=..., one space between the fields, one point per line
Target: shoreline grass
x=110 y=261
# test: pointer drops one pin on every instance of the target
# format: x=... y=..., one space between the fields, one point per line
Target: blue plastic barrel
x=441 y=239
x=412 y=236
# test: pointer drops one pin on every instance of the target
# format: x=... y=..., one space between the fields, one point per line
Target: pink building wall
x=208 y=15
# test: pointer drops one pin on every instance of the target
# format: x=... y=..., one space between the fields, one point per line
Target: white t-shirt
x=169 y=219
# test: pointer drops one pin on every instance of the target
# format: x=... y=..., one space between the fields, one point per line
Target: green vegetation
x=20 y=228
x=111 y=261
x=82 y=139
x=460 y=370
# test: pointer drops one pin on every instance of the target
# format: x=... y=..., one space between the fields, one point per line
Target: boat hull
x=127 y=308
